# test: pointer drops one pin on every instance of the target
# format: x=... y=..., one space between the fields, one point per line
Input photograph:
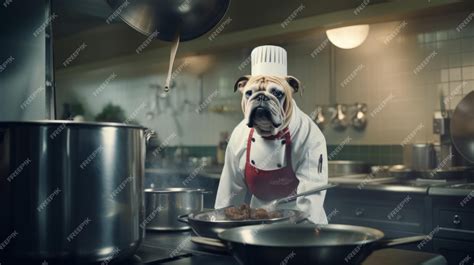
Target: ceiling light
x=348 y=37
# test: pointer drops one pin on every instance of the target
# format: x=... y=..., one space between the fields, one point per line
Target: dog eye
x=277 y=93
x=248 y=93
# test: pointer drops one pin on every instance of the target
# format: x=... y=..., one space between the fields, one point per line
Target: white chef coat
x=308 y=144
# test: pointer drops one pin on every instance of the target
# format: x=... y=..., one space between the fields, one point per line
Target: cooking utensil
x=294 y=197
x=318 y=117
x=210 y=223
x=446 y=173
x=423 y=157
x=71 y=190
x=163 y=206
x=462 y=127
x=339 y=118
x=359 y=120
x=345 y=167
x=170 y=19
x=401 y=172
x=307 y=243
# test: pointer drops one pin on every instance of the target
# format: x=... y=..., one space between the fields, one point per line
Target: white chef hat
x=269 y=60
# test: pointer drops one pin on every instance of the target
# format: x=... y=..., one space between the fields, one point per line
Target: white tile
x=455 y=88
x=468 y=72
x=444 y=75
x=454 y=74
x=468 y=87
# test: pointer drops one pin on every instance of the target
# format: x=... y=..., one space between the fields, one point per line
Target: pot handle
x=387 y=243
x=148 y=134
x=183 y=218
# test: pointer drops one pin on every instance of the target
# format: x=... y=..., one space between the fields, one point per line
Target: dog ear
x=293 y=82
x=241 y=82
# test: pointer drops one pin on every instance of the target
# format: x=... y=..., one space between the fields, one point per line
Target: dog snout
x=262 y=97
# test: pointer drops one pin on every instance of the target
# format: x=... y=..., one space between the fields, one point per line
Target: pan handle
x=387 y=243
x=183 y=218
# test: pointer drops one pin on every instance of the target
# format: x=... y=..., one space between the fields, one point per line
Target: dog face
x=267 y=102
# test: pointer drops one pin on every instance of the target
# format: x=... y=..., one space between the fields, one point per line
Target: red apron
x=269 y=185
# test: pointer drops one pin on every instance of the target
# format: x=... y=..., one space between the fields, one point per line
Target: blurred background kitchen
x=378 y=103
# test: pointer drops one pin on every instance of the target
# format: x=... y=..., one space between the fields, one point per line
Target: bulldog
x=276 y=150
x=267 y=102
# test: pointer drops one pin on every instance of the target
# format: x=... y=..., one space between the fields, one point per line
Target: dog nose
x=262 y=97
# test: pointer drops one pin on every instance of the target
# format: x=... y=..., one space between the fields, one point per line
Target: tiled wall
x=399 y=78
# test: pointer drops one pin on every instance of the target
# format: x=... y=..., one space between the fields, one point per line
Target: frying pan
x=306 y=243
x=168 y=19
x=462 y=127
x=211 y=222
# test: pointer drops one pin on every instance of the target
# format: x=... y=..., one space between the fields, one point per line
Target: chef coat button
x=283 y=142
x=253 y=162
x=278 y=165
x=253 y=139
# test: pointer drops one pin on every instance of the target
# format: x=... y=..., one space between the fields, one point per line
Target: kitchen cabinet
x=436 y=212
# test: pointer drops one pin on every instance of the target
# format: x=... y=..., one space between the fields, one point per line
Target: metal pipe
x=50 y=90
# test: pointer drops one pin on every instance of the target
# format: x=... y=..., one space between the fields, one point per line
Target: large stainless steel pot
x=163 y=206
x=71 y=191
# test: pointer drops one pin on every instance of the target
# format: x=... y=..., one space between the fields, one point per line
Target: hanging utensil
x=186 y=19
x=462 y=127
x=359 y=120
